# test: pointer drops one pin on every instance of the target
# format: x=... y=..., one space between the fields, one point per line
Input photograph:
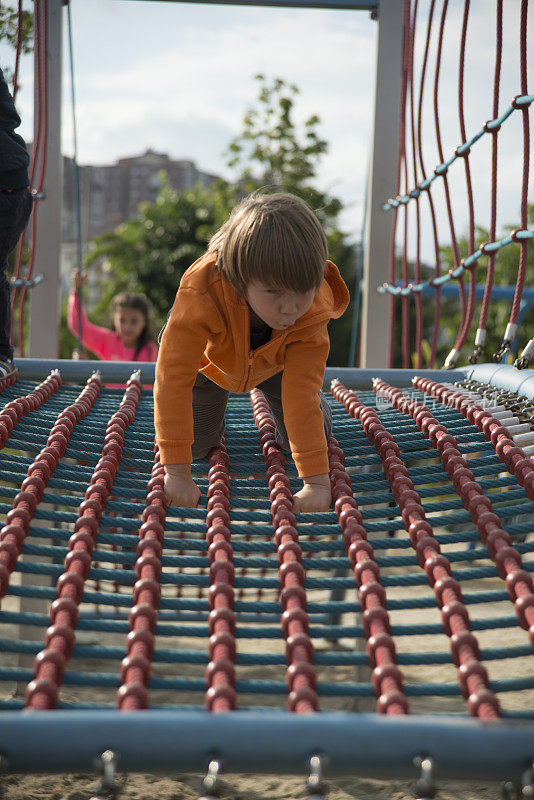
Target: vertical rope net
x=455 y=235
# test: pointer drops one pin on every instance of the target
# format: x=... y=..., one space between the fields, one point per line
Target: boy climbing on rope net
x=252 y=312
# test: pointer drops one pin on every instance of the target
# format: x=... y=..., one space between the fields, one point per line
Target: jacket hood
x=335 y=289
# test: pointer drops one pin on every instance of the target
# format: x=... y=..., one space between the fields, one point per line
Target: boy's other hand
x=315 y=495
x=180 y=488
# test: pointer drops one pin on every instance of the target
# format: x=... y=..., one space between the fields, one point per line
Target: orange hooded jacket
x=208 y=330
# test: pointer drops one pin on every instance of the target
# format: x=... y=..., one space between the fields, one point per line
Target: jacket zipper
x=250 y=353
x=249 y=368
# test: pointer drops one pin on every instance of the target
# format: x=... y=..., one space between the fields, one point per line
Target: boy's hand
x=315 y=495
x=180 y=488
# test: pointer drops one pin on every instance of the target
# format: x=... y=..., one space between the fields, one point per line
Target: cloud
x=186 y=94
x=178 y=77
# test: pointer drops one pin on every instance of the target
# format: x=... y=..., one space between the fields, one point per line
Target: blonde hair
x=274 y=239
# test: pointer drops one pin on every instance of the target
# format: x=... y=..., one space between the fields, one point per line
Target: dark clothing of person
x=210 y=401
x=14 y=157
x=260 y=332
x=15 y=210
x=15 y=203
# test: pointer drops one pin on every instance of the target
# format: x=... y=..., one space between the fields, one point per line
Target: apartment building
x=111 y=194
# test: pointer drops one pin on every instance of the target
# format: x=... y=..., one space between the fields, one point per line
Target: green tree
x=272 y=153
x=9 y=32
x=150 y=253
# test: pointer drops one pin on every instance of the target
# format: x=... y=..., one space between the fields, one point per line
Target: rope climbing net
x=412 y=597
x=419 y=191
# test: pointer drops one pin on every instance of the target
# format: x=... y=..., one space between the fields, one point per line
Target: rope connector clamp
x=475 y=355
x=424 y=787
x=315 y=784
x=501 y=352
x=108 y=788
x=211 y=786
x=527 y=782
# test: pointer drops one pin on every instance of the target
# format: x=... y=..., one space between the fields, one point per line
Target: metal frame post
x=375 y=307
x=44 y=298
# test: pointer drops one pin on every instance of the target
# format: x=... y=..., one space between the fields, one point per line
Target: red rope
x=454 y=243
x=406 y=298
x=405 y=276
x=301 y=677
x=437 y=252
x=497 y=540
x=472 y=676
x=386 y=678
x=494 y=153
x=526 y=165
x=43 y=691
x=18 y=48
x=220 y=672
x=464 y=329
x=400 y=156
x=417 y=263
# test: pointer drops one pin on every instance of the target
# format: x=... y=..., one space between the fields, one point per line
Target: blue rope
x=330 y=585
x=523 y=100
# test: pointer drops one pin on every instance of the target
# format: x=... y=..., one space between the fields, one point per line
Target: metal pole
x=44 y=298
x=375 y=307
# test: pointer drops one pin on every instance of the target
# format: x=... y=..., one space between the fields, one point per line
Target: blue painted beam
x=120 y=371
x=502 y=375
x=166 y=741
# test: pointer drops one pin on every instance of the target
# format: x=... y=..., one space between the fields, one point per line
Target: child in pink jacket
x=129 y=339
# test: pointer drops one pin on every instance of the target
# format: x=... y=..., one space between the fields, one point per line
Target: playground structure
x=390 y=637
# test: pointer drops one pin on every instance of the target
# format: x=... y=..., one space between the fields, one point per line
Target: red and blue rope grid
x=412 y=595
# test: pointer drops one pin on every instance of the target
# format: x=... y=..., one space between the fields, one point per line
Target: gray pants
x=209 y=407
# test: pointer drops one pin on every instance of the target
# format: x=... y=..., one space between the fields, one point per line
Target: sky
x=178 y=78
